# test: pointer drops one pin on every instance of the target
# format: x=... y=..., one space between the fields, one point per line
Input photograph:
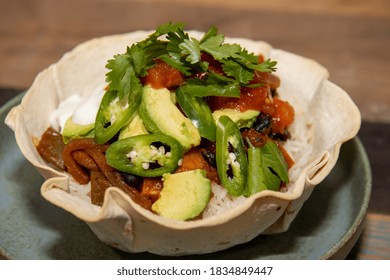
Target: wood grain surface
x=349 y=37
x=374 y=243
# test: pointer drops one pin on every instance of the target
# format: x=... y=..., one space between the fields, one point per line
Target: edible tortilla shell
x=329 y=113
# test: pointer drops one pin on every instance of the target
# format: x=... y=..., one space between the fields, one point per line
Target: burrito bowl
x=324 y=118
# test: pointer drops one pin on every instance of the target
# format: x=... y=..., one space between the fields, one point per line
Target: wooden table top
x=350 y=38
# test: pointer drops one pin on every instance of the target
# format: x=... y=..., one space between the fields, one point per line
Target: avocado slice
x=160 y=115
x=242 y=119
x=73 y=130
x=133 y=128
x=184 y=195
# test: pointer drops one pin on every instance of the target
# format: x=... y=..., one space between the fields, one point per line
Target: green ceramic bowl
x=327 y=227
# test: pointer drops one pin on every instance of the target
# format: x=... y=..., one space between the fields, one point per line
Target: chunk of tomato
x=283 y=116
x=162 y=75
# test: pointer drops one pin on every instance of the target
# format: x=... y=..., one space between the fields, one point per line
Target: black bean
x=132 y=180
x=262 y=123
x=279 y=136
x=209 y=157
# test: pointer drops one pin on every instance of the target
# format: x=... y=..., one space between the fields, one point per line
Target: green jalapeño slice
x=114 y=113
x=232 y=163
x=149 y=155
x=198 y=112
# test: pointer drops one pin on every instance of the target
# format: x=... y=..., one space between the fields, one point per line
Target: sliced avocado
x=160 y=115
x=173 y=97
x=73 y=130
x=133 y=128
x=242 y=119
x=184 y=195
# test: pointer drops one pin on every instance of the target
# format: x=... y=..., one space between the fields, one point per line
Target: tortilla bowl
x=325 y=118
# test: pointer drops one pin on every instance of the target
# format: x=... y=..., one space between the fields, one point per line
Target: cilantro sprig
x=184 y=53
x=267 y=168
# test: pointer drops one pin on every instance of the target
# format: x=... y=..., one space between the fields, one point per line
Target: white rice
x=221 y=201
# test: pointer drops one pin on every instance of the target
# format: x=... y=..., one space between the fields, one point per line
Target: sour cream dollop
x=82 y=110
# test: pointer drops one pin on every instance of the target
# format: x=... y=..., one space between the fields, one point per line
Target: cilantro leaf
x=174 y=41
x=185 y=54
x=191 y=49
x=218 y=50
x=211 y=87
x=212 y=43
x=274 y=160
x=234 y=69
x=120 y=74
x=135 y=89
x=266 y=66
x=237 y=61
x=165 y=29
x=169 y=28
x=269 y=180
x=266 y=168
x=175 y=61
x=138 y=58
x=212 y=90
x=153 y=51
x=123 y=78
x=213 y=31
x=246 y=58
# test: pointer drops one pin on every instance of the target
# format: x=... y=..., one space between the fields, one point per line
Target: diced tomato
x=162 y=75
x=255 y=99
x=260 y=58
x=194 y=159
x=151 y=187
x=284 y=115
x=250 y=99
